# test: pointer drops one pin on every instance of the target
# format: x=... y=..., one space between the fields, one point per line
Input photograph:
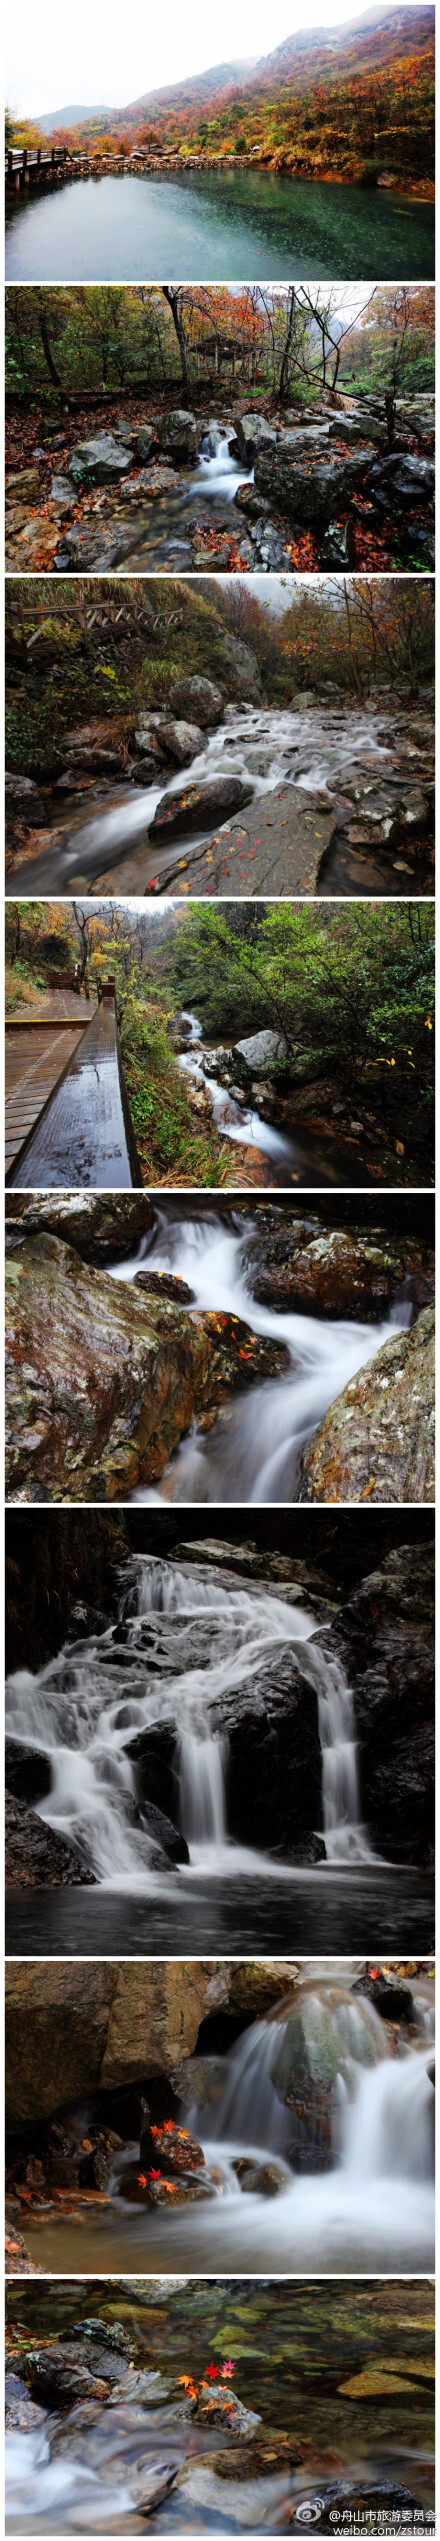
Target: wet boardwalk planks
x=35 y=1056
x=81 y=1133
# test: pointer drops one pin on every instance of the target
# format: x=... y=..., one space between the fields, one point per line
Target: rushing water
x=312 y=747
x=291 y=1160
x=253 y=1453
x=186 y=1642
x=164 y=526
x=364 y=2203
x=212 y=226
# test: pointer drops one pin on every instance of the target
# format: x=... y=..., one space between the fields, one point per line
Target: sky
x=103 y=55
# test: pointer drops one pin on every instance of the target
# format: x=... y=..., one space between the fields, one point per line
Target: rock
x=380 y=1430
x=109 y=1402
x=21 y=2414
x=253 y=433
x=198 y=699
x=278 y=849
x=339 y=2499
x=337 y=552
x=78 y=2027
x=91 y=547
x=255 y=1984
x=144 y=443
x=27 y=1772
x=242 y=671
x=179 y=433
x=401 y=479
x=172 y=1843
x=200 y=2082
x=165 y=1284
x=263 y=2179
x=384 y=1635
x=171 y=2149
x=338 y=1274
x=182 y=740
x=197 y=805
x=61 y=493
x=24 y=485
x=263 y=1051
x=35 y=1857
x=103 y=1227
x=317 y=492
x=58 y=2375
x=320 y=2039
x=99 y=461
x=217 y=2407
x=23 y=800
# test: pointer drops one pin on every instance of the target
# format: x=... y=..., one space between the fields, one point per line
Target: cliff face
x=385 y=1637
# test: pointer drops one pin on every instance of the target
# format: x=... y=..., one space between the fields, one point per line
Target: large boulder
x=181 y=740
x=323 y=2035
x=253 y=433
x=385 y=1637
x=23 y=800
x=34 y=1856
x=179 y=433
x=197 y=699
x=99 y=461
x=75 y=2028
x=197 y=805
x=401 y=479
x=335 y=1274
x=262 y=1054
x=101 y=1226
x=98 y=1396
x=379 y=1434
x=317 y=491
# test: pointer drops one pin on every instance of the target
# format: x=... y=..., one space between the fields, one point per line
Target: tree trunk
x=173 y=298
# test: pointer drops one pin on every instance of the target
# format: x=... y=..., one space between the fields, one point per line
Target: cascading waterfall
x=187 y=1639
x=253 y=1454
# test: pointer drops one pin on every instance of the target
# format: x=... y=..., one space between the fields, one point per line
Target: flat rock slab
x=275 y=846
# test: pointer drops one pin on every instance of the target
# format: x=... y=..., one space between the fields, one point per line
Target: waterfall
x=189 y=1637
x=389 y=2127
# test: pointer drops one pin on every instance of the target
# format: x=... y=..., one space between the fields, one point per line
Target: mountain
x=69 y=116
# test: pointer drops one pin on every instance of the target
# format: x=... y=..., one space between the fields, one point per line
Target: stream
x=303 y=1161
x=212 y=222
x=253 y=1452
x=313 y=747
x=164 y=524
x=186 y=1645
x=293 y=2349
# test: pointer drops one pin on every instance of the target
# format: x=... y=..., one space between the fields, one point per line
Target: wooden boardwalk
x=37 y=1049
x=69 y=1112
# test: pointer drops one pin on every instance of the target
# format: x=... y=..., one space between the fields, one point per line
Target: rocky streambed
x=332 y=487
x=233 y=799
x=292 y=1318
x=198 y=2411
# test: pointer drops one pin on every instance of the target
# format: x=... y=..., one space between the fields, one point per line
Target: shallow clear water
x=211 y=226
x=332 y=1910
x=292 y=1160
x=294 y=2349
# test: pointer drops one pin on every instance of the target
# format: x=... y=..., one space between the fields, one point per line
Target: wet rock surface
x=35 y=1857
x=199 y=804
x=383 y=1421
x=112 y=2023
x=384 y=1635
x=337 y=1274
x=102 y=1228
x=278 y=848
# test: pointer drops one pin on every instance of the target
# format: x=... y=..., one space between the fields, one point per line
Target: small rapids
x=213 y=483
x=266 y=747
x=253 y=1453
x=291 y=1160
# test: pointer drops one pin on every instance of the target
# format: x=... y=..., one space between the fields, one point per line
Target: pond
x=221 y=225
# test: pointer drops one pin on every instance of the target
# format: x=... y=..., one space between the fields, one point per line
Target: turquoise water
x=209 y=226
